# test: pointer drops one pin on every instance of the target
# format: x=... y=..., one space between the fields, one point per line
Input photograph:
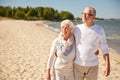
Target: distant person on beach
x=63 y=49
x=88 y=38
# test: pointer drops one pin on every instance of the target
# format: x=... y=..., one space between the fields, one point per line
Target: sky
x=104 y=8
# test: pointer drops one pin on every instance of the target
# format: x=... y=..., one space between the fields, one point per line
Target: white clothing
x=88 y=40
x=60 y=76
x=63 y=62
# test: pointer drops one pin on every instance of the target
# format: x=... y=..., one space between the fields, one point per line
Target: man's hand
x=107 y=72
x=97 y=52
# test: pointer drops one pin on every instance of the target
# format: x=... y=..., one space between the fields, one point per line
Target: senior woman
x=63 y=49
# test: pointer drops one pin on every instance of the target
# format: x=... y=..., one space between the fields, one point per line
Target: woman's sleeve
x=52 y=54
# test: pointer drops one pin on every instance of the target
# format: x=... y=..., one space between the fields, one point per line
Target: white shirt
x=88 y=40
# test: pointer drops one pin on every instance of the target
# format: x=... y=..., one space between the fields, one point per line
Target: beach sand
x=24 y=50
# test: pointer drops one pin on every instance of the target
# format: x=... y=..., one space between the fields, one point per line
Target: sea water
x=111 y=27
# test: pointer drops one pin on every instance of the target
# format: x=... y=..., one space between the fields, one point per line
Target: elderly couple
x=76 y=50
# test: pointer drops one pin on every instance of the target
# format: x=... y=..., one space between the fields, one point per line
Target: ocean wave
x=51 y=27
x=55 y=27
x=114 y=37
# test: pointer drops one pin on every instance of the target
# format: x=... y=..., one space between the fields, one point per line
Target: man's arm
x=107 y=65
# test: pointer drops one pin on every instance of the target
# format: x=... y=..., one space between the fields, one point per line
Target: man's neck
x=89 y=24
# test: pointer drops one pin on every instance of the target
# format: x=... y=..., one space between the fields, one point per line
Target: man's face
x=88 y=16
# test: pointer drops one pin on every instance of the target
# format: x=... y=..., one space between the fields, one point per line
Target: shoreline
x=25 y=49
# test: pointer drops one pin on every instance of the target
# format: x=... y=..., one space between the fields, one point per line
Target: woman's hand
x=48 y=75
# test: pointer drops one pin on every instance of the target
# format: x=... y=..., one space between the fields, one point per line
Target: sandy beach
x=24 y=50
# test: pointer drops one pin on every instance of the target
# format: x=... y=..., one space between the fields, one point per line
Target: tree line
x=37 y=13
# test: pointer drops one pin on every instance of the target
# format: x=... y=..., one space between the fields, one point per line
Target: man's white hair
x=69 y=22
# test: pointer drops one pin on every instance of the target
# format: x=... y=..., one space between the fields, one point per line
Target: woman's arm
x=51 y=58
x=48 y=75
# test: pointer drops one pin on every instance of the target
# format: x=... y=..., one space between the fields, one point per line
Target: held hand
x=66 y=47
x=71 y=38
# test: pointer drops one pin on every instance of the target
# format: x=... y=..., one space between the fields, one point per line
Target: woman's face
x=66 y=30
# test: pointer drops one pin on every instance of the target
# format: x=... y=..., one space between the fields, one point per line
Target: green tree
x=8 y=11
x=31 y=14
x=66 y=15
x=27 y=9
x=56 y=15
x=39 y=12
x=13 y=12
x=2 y=11
x=48 y=13
x=20 y=14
